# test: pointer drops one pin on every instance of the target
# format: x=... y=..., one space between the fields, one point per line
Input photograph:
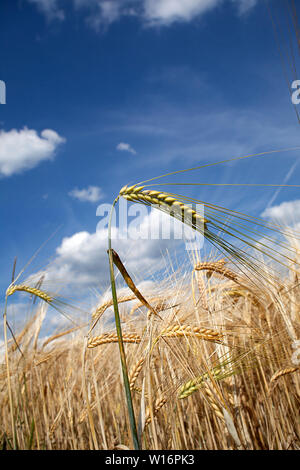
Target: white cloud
x=105 y=13
x=24 y=149
x=50 y=9
x=102 y=13
x=110 y=10
x=244 y=6
x=123 y=147
x=82 y=260
x=287 y=213
x=168 y=11
x=90 y=194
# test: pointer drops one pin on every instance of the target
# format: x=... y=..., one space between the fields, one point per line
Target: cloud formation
x=102 y=13
x=167 y=11
x=81 y=259
x=24 y=149
x=123 y=147
x=50 y=9
x=90 y=194
x=285 y=213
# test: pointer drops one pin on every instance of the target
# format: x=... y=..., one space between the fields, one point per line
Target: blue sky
x=102 y=93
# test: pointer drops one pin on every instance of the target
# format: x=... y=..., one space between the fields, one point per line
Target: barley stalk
x=164 y=200
x=219 y=231
x=160 y=306
x=131 y=415
x=189 y=330
x=282 y=372
x=160 y=402
x=31 y=290
x=202 y=290
x=219 y=268
x=278 y=374
x=96 y=315
x=222 y=370
x=112 y=338
x=192 y=385
x=83 y=414
x=211 y=400
x=139 y=390
x=135 y=372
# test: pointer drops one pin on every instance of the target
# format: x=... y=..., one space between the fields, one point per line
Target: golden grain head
x=167 y=201
x=106 y=338
x=31 y=290
x=190 y=330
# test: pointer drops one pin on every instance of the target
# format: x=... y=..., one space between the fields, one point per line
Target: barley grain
x=31 y=290
x=112 y=338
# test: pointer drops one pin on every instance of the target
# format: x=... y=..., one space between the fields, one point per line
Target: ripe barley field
x=212 y=365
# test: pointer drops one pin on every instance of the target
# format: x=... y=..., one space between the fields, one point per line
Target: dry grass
x=219 y=377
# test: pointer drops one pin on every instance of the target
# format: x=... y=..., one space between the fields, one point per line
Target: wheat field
x=215 y=368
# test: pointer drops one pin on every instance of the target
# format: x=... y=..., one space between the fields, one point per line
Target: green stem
x=8 y=376
x=120 y=339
